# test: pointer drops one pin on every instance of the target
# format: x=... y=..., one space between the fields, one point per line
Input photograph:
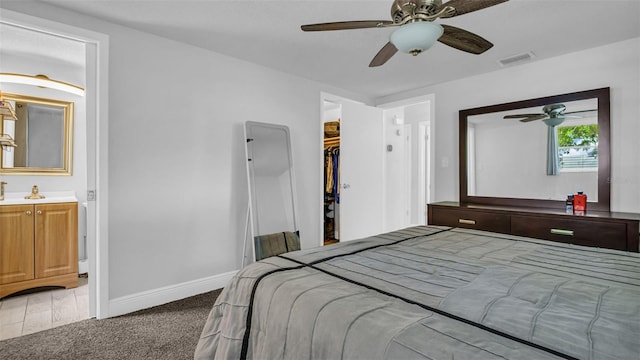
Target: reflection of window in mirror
x=43 y=133
x=578 y=147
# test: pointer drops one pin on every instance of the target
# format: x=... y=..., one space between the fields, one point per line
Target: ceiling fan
x=417 y=30
x=552 y=111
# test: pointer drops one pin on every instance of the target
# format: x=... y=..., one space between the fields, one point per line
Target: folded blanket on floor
x=276 y=244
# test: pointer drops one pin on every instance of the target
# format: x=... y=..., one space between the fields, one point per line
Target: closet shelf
x=332 y=141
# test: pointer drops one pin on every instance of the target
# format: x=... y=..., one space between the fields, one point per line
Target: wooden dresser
x=610 y=230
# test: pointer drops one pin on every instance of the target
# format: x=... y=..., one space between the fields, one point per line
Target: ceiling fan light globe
x=554 y=121
x=416 y=37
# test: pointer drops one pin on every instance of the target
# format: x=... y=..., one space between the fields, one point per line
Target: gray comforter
x=431 y=293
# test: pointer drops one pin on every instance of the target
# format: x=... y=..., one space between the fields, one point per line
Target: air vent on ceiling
x=516 y=58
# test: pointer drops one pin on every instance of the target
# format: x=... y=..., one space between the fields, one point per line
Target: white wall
x=616 y=66
x=395 y=184
x=177 y=209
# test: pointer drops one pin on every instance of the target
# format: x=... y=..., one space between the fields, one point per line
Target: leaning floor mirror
x=272 y=200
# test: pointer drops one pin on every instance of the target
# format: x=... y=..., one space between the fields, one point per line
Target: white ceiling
x=268 y=33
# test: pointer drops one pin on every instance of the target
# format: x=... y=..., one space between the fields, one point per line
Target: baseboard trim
x=146 y=299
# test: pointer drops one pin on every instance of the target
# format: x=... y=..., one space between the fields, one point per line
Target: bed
x=431 y=292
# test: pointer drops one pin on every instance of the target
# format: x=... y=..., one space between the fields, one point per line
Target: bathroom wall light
x=42 y=81
x=6 y=110
x=7 y=141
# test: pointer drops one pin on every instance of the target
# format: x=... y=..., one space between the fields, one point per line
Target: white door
x=360 y=171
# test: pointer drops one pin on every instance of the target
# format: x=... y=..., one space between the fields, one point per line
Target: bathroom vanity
x=38 y=242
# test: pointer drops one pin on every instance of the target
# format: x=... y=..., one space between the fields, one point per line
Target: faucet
x=2 y=184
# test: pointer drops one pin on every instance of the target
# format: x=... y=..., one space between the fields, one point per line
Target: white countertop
x=17 y=198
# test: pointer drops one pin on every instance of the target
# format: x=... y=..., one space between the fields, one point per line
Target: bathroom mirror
x=272 y=207
x=536 y=152
x=43 y=133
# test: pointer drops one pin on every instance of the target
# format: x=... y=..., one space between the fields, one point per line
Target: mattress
x=431 y=293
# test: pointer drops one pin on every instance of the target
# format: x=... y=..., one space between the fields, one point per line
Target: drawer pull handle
x=562 y=232
x=466 y=221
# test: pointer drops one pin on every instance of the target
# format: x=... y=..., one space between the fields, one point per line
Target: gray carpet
x=169 y=331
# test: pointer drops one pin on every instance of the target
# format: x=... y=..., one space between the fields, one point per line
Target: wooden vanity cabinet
x=38 y=246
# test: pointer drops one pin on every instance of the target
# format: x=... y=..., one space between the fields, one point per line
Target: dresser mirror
x=43 y=134
x=272 y=195
x=535 y=152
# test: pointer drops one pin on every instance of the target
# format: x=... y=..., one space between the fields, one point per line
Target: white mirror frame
x=253 y=224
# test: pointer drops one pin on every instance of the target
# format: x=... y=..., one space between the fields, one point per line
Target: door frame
x=324 y=96
x=97 y=105
x=424 y=170
x=429 y=123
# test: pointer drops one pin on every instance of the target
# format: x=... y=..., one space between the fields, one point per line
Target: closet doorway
x=331 y=165
x=352 y=204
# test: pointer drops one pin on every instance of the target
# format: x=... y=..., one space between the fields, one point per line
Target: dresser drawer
x=470 y=219
x=585 y=232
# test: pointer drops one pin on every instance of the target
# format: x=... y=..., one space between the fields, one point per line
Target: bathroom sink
x=17 y=198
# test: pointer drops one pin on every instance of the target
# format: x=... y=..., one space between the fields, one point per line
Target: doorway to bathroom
x=92 y=132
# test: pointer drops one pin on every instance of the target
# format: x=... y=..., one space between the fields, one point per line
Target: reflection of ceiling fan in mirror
x=417 y=30
x=549 y=113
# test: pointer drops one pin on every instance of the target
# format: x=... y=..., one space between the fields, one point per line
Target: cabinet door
x=16 y=243
x=56 y=239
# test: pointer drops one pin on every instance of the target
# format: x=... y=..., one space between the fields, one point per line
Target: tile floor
x=30 y=313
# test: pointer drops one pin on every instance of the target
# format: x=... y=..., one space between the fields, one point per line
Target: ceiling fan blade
x=347 y=25
x=541 y=117
x=383 y=55
x=527 y=117
x=466 y=6
x=579 y=112
x=464 y=40
x=517 y=116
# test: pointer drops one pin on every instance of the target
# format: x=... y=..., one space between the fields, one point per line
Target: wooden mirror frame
x=604 y=153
